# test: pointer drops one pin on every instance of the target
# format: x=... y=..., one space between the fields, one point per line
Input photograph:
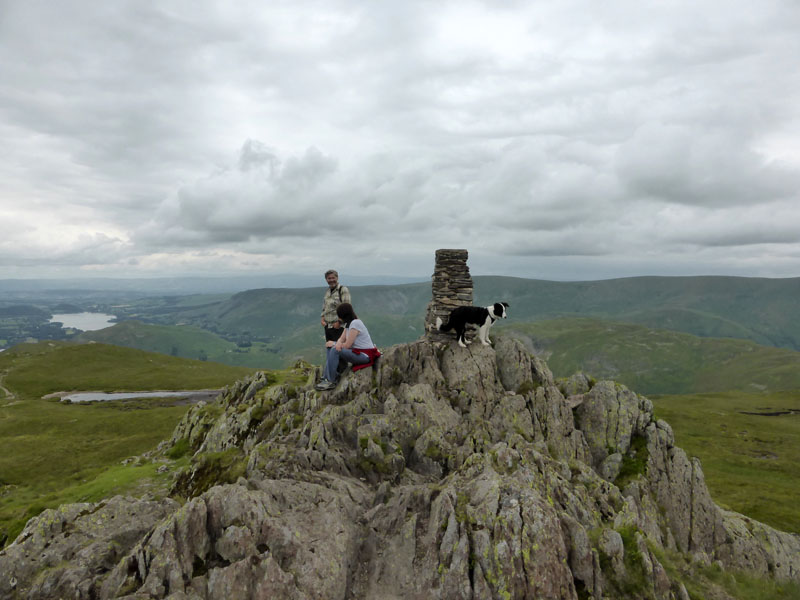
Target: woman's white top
x=363 y=341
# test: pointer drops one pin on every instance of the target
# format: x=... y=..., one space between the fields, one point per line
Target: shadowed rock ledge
x=443 y=472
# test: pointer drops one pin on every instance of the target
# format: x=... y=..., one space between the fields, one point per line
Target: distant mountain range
x=765 y=311
x=189 y=285
x=762 y=310
x=656 y=361
x=579 y=325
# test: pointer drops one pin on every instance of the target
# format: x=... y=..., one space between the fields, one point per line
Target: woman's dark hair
x=345 y=312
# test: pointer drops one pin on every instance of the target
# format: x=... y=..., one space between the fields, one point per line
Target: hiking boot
x=324 y=384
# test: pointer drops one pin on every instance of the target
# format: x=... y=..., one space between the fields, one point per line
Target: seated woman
x=353 y=346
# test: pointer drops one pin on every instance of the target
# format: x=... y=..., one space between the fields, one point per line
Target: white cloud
x=577 y=138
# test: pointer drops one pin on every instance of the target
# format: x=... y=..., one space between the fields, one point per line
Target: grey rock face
x=609 y=416
x=443 y=473
x=575 y=385
x=678 y=487
x=60 y=553
x=610 y=467
x=753 y=546
x=260 y=540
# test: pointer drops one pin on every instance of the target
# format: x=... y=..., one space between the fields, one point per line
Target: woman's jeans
x=334 y=356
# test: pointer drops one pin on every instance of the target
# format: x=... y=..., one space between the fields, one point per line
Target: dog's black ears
x=504 y=304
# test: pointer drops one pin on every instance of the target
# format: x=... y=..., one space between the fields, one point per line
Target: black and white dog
x=483 y=317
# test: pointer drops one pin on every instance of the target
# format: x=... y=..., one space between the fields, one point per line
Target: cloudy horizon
x=564 y=141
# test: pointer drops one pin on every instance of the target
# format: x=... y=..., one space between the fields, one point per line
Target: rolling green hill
x=275 y=314
x=654 y=361
x=267 y=328
x=649 y=361
x=52 y=453
x=192 y=342
x=761 y=310
x=33 y=370
x=183 y=340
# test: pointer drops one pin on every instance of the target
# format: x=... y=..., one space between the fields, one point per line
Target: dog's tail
x=443 y=326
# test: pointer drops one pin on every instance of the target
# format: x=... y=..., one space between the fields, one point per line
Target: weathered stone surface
x=443 y=473
x=60 y=553
x=610 y=467
x=759 y=548
x=574 y=385
x=279 y=537
x=609 y=416
x=610 y=544
x=678 y=487
x=580 y=557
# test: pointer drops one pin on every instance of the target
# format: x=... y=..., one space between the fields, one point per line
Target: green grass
x=52 y=453
x=757 y=309
x=192 y=342
x=713 y=582
x=305 y=341
x=176 y=340
x=634 y=462
x=761 y=310
x=751 y=462
x=46 y=367
x=654 y=361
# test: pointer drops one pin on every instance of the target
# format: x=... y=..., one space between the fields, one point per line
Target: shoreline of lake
x=85 y=321
x=86 y=397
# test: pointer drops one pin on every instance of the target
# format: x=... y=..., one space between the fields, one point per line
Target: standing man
x=334 y=296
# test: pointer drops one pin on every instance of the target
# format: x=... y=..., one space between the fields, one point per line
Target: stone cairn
x=452 y=287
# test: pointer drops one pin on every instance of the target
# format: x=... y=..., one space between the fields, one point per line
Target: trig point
x=452 y=286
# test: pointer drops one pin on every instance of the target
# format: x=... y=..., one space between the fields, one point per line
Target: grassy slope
x=192 y=342
x=51 y=453
x=282 y=323
x=180 y=340
x=751 y=462
x=657 y=361
x=762 y=310
x=280 y=313
x=305 y=341
x=38 y=369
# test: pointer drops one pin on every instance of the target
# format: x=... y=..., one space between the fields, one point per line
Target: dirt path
x=5 y=390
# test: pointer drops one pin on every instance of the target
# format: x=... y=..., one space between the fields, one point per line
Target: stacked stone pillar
x=451 y=286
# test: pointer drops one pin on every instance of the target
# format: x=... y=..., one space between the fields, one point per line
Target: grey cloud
x=528 y=131
x=87 y=250
x=565 y=247
x=743 y=228
x=262 y=196
x=686 y=166
x=750 y=238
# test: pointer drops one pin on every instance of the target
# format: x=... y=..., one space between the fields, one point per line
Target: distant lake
x=192 y=395
x=85 y=321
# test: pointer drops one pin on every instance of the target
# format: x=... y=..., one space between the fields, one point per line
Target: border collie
x=483 y=317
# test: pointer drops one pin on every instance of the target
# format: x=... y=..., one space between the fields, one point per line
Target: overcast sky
x=568 y=139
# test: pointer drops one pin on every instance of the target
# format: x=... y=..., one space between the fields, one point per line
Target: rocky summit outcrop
x=443 y=472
